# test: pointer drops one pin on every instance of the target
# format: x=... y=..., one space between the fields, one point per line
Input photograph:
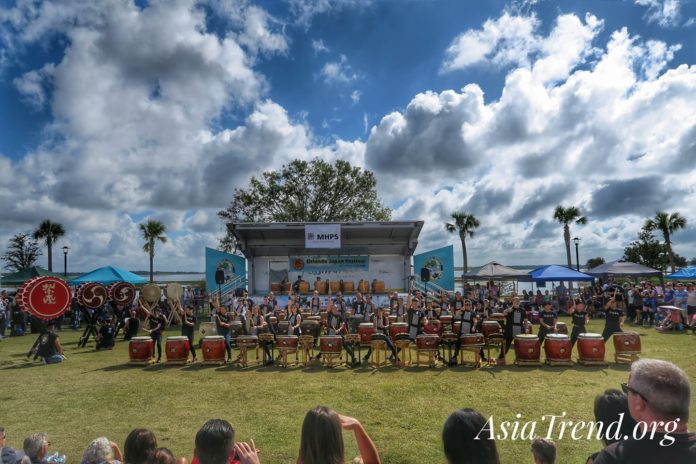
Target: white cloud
x=355 y=96
x=305 y=10
x=35 y=85
x=319 y=46
x=666 y=13
x=258 y=35
x=338 y=71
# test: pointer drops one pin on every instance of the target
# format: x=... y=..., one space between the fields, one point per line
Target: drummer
x=415 y=318
x=457 y=302
x=223 y=318
x=336 y=325
x=369 y=308
x=315 y=303
x=468 y=320
x=548 y=318
x=614 y=321
x=188 y=325
x=257 y=325
x=398 y=309
x=340 y=304
x=156 y=324
x=381 y=321
x=294 y=321
x=516 y=321
x=580 y=317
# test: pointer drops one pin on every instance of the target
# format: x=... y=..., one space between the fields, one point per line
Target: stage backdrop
x=222 y=268
x=441 y=265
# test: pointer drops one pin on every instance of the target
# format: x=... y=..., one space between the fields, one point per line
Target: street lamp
x=577 y=253
x=65 y=261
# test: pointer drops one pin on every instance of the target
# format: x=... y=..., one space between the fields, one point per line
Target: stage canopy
x=685 y=274
x=19 y=277
x=108 y=275
x=554 y=273
x=623 y=269
x=496 y=271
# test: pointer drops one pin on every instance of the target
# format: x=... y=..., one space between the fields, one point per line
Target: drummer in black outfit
x=415 y=318
x=315 y=304
x=580 y=317
x=336 y=325
x=156 y=324
x=188 y=325
x=516 y=320
x=381 y=321
x=614 y=320
x=547 y=321
x=222 y=322
x=469 y=321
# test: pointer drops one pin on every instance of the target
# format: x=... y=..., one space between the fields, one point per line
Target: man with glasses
x=36 y=447
x=659 y=394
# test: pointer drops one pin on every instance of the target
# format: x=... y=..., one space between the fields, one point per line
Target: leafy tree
x=567 y=216
x=49 y=232
x=152 y=231
x=667 y=224
x=21 y=253
x=648 y=250
x=464 y=224
x=594 y=262
x=692 y=262
x=303 y=191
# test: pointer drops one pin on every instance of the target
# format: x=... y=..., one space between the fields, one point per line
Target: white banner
x=323 y=236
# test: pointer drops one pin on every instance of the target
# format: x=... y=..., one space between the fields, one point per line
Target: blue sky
x=112 y=112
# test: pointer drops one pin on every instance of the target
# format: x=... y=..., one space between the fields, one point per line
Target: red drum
x=472 y=339
x=557 y=347
x=446 y=323
x=591 y=347
x=286 y=341
x=489 y=328
x=366 y=330
x=331 y=344
x=140 y=350
x=92 y=295
x=250 y=341
x=213 y=347
x=533 y=316
x=45 y=297
x=177 y=349
x=397 y=328
x=434 y=327
x=427 y=342
x=626 y=343
x=527 y=348
x=561 y=328
x=122 y=293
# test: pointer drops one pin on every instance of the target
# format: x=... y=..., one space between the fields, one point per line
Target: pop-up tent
x=554 y=273
x=108 y=275
x=19 y=277
x=624 y=269
x=496 y=271
x=685 y=274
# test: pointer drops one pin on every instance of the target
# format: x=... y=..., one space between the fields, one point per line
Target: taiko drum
x=366 y=330
x=140 y=349
x=331 y=344
x=591 y=347
x=626 y=343
x=177 y=349
x=527 y=347
x=213 y=348
x=557 y=347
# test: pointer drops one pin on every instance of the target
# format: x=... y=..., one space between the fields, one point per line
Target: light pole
x=65 y=261
x=577 y=253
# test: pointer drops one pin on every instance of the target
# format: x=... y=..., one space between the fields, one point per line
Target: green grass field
x=96 y=393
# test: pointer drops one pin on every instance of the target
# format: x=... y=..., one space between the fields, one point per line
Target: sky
x=115 y=112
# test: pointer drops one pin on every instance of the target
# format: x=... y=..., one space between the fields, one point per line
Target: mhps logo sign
x=323 y=236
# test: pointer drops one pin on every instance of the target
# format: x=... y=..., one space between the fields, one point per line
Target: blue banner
x=222 y=269
x=329 y=263
x=441 y=265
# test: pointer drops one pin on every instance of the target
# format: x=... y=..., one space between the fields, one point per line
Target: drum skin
x=45 y=297
x=366 y=330
x=527 y=348
x=434 y=327
x=397 y=328
x=122 y=293
x=591 y=347
x=331 y=344
x=213 y=348
x=93 y=295
x=140 y=349
x=557 y=347
x=562 y=328
x=472 y=339
x=177 y=348
x=427 y=342
x=286 y=341
x=626 y=342
x=489 y=328
x=151 y=293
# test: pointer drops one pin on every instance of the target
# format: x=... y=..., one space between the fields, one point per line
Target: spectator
x=322 y=439
x=544 y=451
x=609 y=407
x=49 y=346
x=215 y=445
x=459 y=438
x=102 y=451
x=36 y=447
x=164 y=456
x=8 y=455
x=140 y=447
x=659 y=394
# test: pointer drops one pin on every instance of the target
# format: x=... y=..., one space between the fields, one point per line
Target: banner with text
x=441 y=265
x=326 y=263
x=223 y=269
x=323 y=236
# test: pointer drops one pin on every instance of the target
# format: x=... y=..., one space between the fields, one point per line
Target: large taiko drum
x=446 y=323
x=276 y=287
x=122 y=293
x=527 y=349
x=249 y=341
x=207 y=328
x=366 y=330
x=591 y=348
x=427 y=342
x=557 y=348
x=626 y=343
x=92 y=295
x=397 y=328
x=45 y=297
x=561 y=328
x=335 y=287
x=140 y=350
x=283 y=327
x=310 y=327
x=320 y=286
x=304 y=287
x=177 y=349
x=472 y=339
x=286 y=342
x=379 y=286
x=363 y=286
x=213 y=348
x=434 y=327
x=331 y=344
x=489 y=328
x=236 y=329
x=151 y=294
x=349 y=286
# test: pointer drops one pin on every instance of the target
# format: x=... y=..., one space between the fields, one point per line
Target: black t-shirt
x=107 y=332
x=359 y=307
x=47 y=345
x=156 y=322
x=579 y=319
x=188 y=329
x=222 y=318
x=333 y=322
x=613 y=318
x=547 y=317
x=682 y=451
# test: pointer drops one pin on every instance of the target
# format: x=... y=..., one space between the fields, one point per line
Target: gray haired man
x=36 y=447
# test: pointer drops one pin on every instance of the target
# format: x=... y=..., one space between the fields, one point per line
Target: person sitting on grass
x=102 y=451
x=321 y=441
x=610 y=407
x=215 y=445
x=36 y=448
x=544 y=451
x=8 y=455
x=463 y=441
x=49 y=346
x=140 y=447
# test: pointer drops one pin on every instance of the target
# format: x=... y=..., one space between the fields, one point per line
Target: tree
x=667 y=224
x=21 y=253
x=464 y=224
x=49 y=232
x=314 y=191
x=692 y=262
x=567 y=216
x=648 y=251
x=152 y=231
x=594 y=262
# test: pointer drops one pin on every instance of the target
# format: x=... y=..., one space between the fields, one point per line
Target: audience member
x=460 y=442
x=659 y=395
x=36 y=447
x=49 y=346
x=102 y=451
x=140 y=447
x=544 y=451
x=164 y=456
x=610 y=407
x=215 y=445
x=322 y=438
x=8 y=455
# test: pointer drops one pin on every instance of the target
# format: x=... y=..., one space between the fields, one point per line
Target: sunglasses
x=626 y=389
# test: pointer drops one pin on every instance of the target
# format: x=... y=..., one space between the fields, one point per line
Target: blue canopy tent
x=684 y=274
x=108 y=275
x=554 y=273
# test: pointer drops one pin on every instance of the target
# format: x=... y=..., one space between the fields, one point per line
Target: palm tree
x=667 y=224
x=151 y=231
x=566 y=216
x=49 y=232
x=465 y=224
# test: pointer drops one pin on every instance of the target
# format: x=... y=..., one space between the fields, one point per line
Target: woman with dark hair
x=460 y=443
x=610 y=407
x=322 y=438
x=140 y=447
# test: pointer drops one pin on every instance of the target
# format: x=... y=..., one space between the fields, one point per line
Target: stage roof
x=288 y=238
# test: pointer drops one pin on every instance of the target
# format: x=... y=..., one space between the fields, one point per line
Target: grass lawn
x=95 y=393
